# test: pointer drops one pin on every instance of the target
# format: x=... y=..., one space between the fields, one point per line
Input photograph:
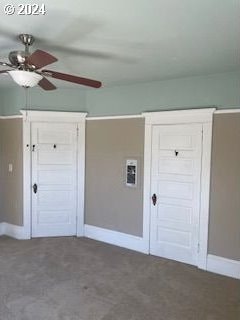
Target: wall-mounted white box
x=131 y=172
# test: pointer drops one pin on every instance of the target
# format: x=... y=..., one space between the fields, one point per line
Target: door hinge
x=77 y=131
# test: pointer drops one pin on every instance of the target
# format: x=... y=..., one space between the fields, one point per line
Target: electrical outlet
x=10 y=167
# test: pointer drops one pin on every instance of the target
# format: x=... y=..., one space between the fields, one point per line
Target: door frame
x=201 y=116
x=29 y=117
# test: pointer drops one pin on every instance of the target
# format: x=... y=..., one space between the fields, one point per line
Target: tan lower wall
x=11 y=182
x=1 y=178
x=109 y=203
x=224 y=229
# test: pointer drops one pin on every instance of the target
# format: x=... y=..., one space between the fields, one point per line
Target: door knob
x=35 y=188
x=154 y=199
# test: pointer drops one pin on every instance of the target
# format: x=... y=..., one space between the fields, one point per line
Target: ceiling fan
x=26 y=68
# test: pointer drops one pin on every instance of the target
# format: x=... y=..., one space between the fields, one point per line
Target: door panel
x=53 y=198
x=54 y=177
x=171 y=236
x=174 y=189
x=47 y=136
x=176 y=169
x=50 y=217
x=175 y=166
x=54 y=170
x=174 y=213
x=175 y=141
x=61 y=157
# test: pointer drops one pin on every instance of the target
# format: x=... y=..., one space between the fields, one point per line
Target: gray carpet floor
x=81 y=279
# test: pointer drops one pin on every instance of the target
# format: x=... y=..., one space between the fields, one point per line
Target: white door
x=54 y=176
x=175 y=181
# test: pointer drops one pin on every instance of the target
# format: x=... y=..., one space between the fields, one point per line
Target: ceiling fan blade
x=40 y=59
x=46 y=84
x=72 y=51
x=6 y=64
x=5 y=71
x=71 y=78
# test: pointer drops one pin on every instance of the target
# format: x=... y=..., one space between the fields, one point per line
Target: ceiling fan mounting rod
x=27 y=40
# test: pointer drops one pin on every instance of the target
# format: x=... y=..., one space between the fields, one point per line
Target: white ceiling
x=128 y=41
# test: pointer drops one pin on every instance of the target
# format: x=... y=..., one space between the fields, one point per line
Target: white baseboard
x=224 y=266
x=220 y=265
x=11 y=230
x=116 y=238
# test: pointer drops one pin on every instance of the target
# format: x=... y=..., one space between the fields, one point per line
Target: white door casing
x=51 y=117
x=203 y=116
x=175 y=180
x=195 y=116
x=54 y=175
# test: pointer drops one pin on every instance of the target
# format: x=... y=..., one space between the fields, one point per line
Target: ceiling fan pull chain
x=26 y=89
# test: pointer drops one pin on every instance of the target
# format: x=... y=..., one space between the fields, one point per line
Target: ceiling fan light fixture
x=25 y=79
x=26 y=67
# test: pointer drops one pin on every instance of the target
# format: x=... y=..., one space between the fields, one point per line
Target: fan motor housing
x=18 y=57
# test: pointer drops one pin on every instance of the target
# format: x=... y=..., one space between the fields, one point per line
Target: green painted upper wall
x=221 y=90
x=14 y=99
